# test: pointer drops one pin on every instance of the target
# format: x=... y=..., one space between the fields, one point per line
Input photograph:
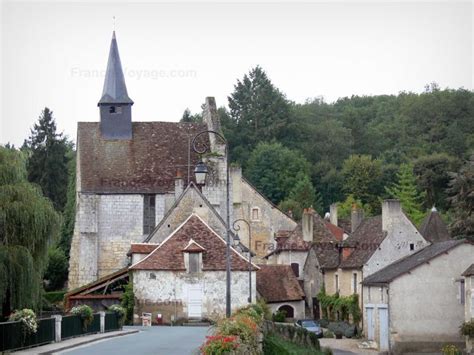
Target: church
x=135 y=185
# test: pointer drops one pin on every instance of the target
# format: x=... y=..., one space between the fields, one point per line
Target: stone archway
x=289 y=311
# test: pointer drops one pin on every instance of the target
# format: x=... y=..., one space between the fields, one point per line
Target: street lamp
x=200 y=173
x=236 y=227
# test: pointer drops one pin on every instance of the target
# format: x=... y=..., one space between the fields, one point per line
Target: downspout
x=362 y=296
x=388 y=317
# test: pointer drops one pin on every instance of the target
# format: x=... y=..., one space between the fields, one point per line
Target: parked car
x=311 y=326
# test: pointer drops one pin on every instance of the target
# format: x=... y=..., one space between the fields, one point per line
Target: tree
x=258 y=111
x=303 y=195
x=56 y=272
x=188 y=117
x=362 y=179
x=406 y=191
x=47 y=163
x=69 y=214
x=275 y=170
x=344 y=208
x=461 y=191
x=28 y=225
x=432 y=173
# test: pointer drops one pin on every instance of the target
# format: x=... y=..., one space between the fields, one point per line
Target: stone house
x=433 y=228
x=185 y=275
x=374 y=243
x=279 y=287
x=126 y=181
x=468 y=284
x=416 y=303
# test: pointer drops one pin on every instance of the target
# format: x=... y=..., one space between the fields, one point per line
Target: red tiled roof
x=193 y=247
x=169 y=256
x=336 y=231
x=278 y=283
x=141 y=248
x=148 y=163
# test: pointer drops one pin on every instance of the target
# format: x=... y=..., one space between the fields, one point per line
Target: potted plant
x=119 y=311
x=85 y=313
x=27 y=317
x=467 y=329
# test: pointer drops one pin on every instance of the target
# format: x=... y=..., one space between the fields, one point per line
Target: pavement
x=345 y=346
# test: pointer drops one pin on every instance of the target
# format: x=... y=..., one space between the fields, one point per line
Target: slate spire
x=115 y=90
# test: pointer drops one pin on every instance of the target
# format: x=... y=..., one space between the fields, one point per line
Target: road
x=150 y=341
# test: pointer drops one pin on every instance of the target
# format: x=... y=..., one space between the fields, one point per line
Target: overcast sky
x=174 y=55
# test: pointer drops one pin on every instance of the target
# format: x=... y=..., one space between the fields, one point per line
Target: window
x=148 y=213
x=115 y=110
x=462 y=292
x=296 y=269
x=354 y=282
x=255 y=214
x=152 y=276
x=336 y=282
x=194 y=262
x=412 y=246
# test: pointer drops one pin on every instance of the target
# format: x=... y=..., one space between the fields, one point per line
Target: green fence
x=72 y=326
x=111 y=322
x=13 y=337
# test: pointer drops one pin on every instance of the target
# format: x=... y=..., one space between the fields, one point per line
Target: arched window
x=289 y=311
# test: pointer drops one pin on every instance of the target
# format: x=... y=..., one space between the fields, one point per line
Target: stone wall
x=298 y=308
x=166 y=292
x=313 y=279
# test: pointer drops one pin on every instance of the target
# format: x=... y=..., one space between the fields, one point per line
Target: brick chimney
x=357 y=215
x=333 y=214
x=178 y=184
x=391 y=212
x=307 y=224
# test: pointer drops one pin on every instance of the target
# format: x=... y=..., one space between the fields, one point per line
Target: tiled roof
x=169 y=256
x=434 y=229
x=364 y=241
x=345 y=224
x=278 y=283
x=469 y=271
x=408 y=263
x=336 y=231
x=141 y=248
x=148 y=163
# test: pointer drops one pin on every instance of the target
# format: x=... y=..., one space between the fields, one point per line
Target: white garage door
x=195 y=301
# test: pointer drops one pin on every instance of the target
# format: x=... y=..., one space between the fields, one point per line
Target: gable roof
x=193 y=247
x=433 y=228
x=336 y=231
x=168 y=255
x=364 y=241
x=410 y=262
x=278 y=283
x=148 y=163
x=469 y=271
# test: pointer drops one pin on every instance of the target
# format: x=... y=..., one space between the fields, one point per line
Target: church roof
x=148 y=163
x=433 y=228
x=168 y=255
x=278 y=283
x=115 y=90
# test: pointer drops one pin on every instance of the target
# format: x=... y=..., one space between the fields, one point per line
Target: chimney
x=307 y=224
x=333 y=213
x=391 y=210
x=357 y=215
x=178 y=184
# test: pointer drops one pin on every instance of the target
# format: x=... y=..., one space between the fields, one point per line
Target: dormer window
x=192 y=254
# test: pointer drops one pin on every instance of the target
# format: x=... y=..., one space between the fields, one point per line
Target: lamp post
x=236 y=227
x=200 y=172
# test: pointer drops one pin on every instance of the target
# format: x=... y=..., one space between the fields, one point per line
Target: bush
x=250 y=311
x=467 y=329
x=324 y=323
x=128 y=301
x=28 y=320
x=279 y=316
x=86 y=314
x=219 y=344
x=56 y=272
x=55 y=297
x=241 y=326
x=119 y=312
x=328 y=334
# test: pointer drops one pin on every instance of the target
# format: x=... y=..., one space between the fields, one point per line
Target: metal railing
x=13 y=336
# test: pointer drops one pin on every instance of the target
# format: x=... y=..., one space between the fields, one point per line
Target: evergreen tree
x=48 y=160
x=28 y=225
x=461 y=190
x=406 y=191
x=190 y=118
x=303 y=195
x=69 y=214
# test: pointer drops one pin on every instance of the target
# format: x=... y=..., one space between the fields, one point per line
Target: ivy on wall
x=336 y=307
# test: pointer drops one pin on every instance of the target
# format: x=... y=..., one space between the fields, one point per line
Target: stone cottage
x=374 y=243
x=279 y=287
x=126 y=182
x=185 y=275
x=417 y=302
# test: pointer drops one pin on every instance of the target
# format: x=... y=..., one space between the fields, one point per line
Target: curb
x=88 y=341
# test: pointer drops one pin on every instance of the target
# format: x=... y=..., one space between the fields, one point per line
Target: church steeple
x=115 y=104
